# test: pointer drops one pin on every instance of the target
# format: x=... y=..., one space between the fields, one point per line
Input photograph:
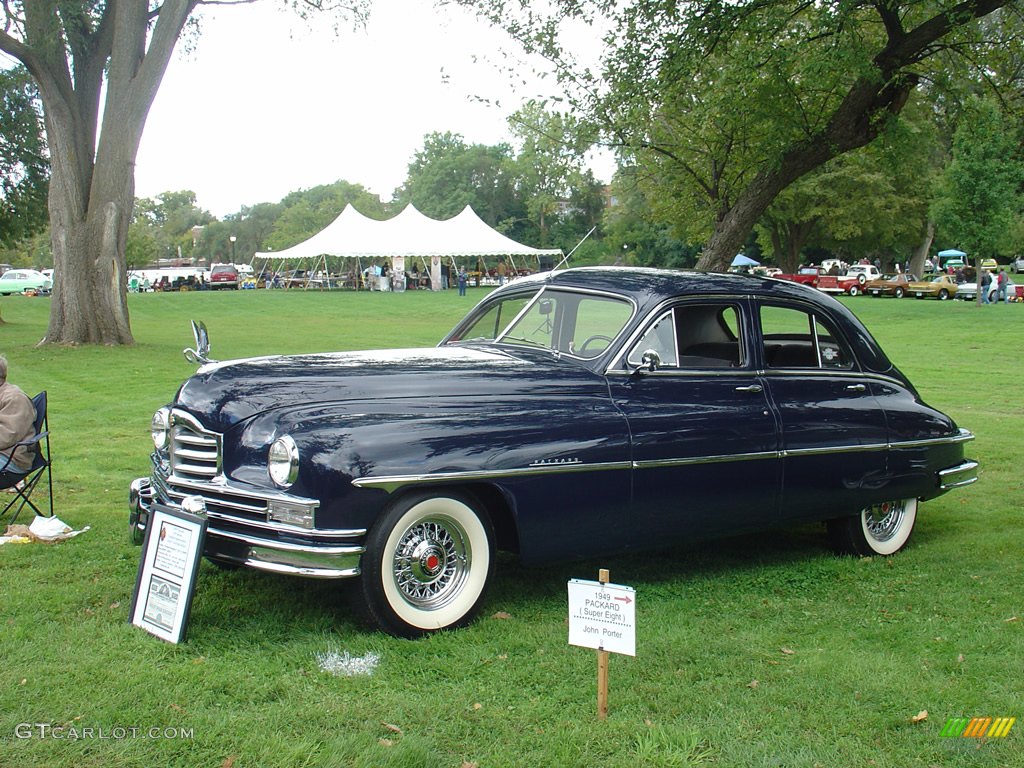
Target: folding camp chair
x=23 y=486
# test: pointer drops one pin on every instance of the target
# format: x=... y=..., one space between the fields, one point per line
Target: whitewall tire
x=427 y=564
x=881 y=529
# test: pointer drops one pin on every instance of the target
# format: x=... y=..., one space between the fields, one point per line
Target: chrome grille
x=195 y=455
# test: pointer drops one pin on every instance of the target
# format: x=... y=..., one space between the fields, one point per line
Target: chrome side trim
x=965 y=436
x=390 y=483
x=866 y=448
x=663 y=463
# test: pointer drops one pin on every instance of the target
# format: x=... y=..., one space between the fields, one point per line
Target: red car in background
x=818 y=278
x=223 y=276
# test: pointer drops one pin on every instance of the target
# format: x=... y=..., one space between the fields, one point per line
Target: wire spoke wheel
x=431 y=562
x=880 y=529
x=427 y=564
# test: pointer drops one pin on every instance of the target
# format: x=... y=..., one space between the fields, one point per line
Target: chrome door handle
x=751 y=388
x=856 y=388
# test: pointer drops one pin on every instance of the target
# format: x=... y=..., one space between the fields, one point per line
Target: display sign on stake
x=167 y=572
x=602 y=616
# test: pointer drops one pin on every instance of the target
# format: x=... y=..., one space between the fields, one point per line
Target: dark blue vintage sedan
x=571 y=414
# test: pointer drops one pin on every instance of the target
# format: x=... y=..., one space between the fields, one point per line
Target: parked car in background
x=22 y=280
x=864 y=272
x=571 y=414
x=223 y=276
x=890 y=285
x=969 y=291
x=1017 y=264
x=839 y=284
x=941 y=287
x=804 y=276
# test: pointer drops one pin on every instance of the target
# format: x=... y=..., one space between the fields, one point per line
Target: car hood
x=223 y=394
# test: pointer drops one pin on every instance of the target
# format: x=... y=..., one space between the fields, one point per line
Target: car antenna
x=570 y=253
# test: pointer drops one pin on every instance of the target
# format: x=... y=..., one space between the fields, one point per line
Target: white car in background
x=864 y=272
x=969 y=291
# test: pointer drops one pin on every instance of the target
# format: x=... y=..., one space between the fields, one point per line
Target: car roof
x=643 y=284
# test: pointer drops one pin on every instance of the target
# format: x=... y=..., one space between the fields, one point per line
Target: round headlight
x=160 y=428
x=283 y=461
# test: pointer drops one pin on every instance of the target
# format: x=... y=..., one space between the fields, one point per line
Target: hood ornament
x=201 y=354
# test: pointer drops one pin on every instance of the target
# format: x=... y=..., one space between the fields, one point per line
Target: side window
x=794 y=338
x=598 y=321
x=694 y=336
x=490 y=324
x=660 y=338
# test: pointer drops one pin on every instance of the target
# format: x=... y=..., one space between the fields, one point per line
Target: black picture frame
x=166 y=580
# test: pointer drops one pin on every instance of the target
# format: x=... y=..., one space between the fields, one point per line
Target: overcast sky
x=265 y=106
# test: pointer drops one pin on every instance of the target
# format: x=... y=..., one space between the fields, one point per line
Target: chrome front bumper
x=310 y=558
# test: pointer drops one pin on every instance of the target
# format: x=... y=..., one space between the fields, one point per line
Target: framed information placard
x=167 y=572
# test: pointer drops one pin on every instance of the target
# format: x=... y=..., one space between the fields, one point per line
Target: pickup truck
x=816 y=278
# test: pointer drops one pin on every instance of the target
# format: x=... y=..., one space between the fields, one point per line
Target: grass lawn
x=763 y=650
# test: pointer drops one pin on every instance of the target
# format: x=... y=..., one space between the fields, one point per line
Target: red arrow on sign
x=625 y=599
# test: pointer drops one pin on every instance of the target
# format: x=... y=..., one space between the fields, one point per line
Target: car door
x=704 y=439
x=833 y=431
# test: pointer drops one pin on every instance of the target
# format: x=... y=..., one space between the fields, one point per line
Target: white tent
x=409 y=234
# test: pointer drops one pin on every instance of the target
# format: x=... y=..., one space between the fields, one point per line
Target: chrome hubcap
x=883 y=520
x=431 y=563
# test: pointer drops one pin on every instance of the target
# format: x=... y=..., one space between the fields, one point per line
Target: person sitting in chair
x=17 y=417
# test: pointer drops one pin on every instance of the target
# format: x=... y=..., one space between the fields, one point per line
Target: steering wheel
x=582 y=351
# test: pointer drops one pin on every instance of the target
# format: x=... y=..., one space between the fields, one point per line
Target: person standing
x=17 y=423
x=463 y=279
x=1001 y=281
x=984 y=284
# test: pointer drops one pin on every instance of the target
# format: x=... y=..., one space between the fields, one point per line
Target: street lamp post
x=232 y=239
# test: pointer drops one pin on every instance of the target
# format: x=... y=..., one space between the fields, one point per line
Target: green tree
x=24 y=164
x=549 y=166
x=170 y=221
x=94 y=59
x=633 y=236
x=979 y=197
x=725 y=104
x=306 y=212
x=447 y=174
x=869 y=202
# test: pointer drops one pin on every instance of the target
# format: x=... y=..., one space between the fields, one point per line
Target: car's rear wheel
x=427 y=564
x=881 y=529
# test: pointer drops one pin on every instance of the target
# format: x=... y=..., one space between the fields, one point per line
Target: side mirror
x=650 y=361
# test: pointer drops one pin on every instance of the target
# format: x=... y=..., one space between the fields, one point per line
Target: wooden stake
x=602 y=665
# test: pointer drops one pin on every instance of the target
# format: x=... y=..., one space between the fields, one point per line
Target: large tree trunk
x=921 y=252
x=75 y=58
x=90 y=297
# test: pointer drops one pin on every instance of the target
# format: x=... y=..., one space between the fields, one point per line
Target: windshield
x=572 y=322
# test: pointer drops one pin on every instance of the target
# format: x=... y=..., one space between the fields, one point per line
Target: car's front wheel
x=898 y=293
x=854 y=290
x=427 y=565
x=881 y=529
x=943 y=294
